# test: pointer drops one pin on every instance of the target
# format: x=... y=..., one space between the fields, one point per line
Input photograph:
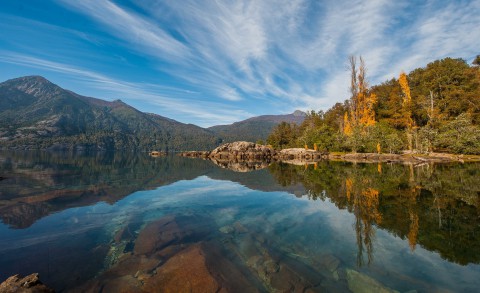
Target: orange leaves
x=362 y=102
x=347 y=126
x=366 y=113
x=407 y=99
x=365 y=200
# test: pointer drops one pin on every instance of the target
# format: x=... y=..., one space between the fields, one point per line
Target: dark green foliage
x=459 y=136
x=445 y=109
x=36 y=114
x=283 y=136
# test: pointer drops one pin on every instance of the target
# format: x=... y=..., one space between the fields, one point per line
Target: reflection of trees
x=436 y=206
x=364 y=202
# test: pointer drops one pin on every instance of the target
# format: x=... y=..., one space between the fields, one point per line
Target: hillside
x=37 y=114
x=255 y=128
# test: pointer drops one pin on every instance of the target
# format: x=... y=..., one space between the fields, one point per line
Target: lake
x=127 y=221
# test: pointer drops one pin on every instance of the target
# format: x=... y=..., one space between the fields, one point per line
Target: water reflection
x=433 y=205
x=88 y=203
x=37 y=184
x=436 y=206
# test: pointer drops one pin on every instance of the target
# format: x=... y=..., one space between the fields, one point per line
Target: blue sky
x=217 y=62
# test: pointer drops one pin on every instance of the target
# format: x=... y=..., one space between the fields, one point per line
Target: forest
x=431 y=109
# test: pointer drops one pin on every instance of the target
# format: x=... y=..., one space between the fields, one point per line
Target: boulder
x=28 y=284
x=300 y=154
x=242 y=151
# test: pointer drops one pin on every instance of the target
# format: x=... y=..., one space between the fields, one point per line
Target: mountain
x=255 y=128
x=37 y=114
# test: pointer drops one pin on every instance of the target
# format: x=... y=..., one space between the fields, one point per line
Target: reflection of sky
x=310 y=227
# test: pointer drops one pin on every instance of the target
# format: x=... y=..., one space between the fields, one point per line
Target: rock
x=170 y=230
x=30 y=283
x=296 y=155
x=242 y=151
x=184 y=272
x=330 y=262
x=227 y=229
x=170 y=256
x=360 y=283
x=200 y=267
x=239 y=228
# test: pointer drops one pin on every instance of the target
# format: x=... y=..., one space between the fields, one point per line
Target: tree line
x=431 y=109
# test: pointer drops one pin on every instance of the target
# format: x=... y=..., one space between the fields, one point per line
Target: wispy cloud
x=206 y=59
x=170 y=99
x=134 y=28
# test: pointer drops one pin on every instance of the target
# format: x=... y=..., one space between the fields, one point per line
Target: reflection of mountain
x=434 y=206
x=39 y=183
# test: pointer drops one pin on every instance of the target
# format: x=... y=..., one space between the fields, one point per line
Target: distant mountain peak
x=299 y=113
x=31 y=79
x=34 y=85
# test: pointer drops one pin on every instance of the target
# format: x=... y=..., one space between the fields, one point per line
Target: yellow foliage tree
x=347 y=126
x=407 y=103
x=362 y=102
x=407 y=98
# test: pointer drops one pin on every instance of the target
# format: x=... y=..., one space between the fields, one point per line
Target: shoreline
x=247 y=151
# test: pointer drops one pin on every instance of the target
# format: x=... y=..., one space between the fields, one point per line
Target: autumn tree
x=407 y=104
x=361 y=105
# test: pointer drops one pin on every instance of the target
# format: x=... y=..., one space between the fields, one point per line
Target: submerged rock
x=28 y=284
x=227 y=229
x=170 y=230
x=361 y=283
x=172 y=255
x=184 y=272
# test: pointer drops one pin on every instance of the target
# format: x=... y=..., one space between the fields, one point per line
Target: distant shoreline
x=247 y=151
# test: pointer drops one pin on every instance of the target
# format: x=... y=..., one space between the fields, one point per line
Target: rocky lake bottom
x=113 y=222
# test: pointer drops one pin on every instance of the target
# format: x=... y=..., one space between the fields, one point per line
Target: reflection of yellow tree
x=348 y=187
x=365 y=203
x=413 y=233
x=412 y=195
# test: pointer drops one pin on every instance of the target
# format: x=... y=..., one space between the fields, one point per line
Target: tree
x=283 y=135
x=459 y=136
x=362 y=101
x=476 y=61
x=407 y=104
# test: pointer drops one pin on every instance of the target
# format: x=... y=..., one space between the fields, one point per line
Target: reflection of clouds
x=390 y=249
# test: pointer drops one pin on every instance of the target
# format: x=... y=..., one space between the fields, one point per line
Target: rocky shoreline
x=242 y=151
x=28 y=284
x=249 y=151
